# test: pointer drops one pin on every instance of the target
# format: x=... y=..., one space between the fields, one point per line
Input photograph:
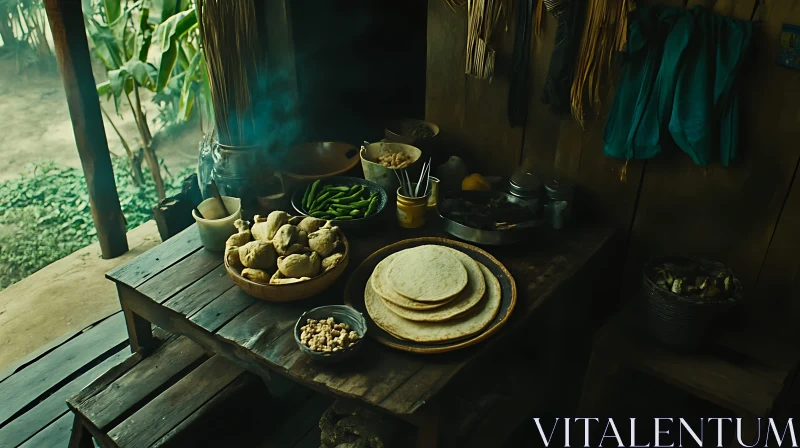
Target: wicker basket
x=679 y=320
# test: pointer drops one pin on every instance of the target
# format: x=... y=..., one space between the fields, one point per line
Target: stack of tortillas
x=432 y=294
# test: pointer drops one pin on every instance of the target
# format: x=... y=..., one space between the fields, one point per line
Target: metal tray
x=521 y=232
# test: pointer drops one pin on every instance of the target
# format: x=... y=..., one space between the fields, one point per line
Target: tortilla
x=462 y=304
x=436 y=332
x=426 y=273
x=378 y=281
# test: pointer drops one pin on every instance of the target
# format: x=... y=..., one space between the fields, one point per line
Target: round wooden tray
x=354 y=295
x=292 y=291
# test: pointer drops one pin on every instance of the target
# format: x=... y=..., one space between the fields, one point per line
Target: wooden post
x=72 y=49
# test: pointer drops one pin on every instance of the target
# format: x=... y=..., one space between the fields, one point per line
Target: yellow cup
x=411 y=211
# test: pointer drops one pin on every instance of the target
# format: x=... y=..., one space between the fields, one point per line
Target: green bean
x=319 y=200
x=371 y=208
x=305 y=197
x=311 y=194
x=319 y=214
x=339 y=189
x=342 y=218
x=350 y=198
x=326 y=202
x=355 y=212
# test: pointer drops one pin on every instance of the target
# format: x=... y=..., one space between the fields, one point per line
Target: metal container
x=411 y=211
x=385 y=177
x=558 y=204
x=525 y=185
x=521 y=232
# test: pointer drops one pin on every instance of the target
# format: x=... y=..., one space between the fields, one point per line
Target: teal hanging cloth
x=705 y=107
x=677 y=82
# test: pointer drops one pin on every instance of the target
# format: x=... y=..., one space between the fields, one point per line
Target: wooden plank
x=445 y=82
x=201 y=293
x=155 y=260
x=21 y=389
x=104 y=380
x=218 y=311
x=56 y=435
x=52 y=407
x=177 y=403
x=222 y=309
x=741 y=385
x=175 y=278
x=542 y=127
x=242 y=384
x=777 y=287
x=492 y=146
x=46 y=349
x=136 y=385
x=75 y=65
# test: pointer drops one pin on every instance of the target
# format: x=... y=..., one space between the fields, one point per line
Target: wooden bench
x=157 y=399
x=752 y=371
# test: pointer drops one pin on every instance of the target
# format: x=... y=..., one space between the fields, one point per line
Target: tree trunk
x=148 y=145
x=134 y=161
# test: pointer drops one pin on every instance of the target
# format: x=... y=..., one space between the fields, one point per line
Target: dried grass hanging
x=233 y=61
x=605 y=33
x=482 y=17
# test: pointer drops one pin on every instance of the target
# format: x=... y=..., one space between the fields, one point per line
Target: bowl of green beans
x=349 y=202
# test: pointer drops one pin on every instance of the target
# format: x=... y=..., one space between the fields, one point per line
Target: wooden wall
x=747 y=216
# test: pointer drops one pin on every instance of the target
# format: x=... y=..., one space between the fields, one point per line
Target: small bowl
x=291 y=291
x=318 y=160
x=213 y=227
x=383 y=199
x=339 y=313
x=398 y=131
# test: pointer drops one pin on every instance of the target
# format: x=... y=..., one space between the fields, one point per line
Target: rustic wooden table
x=184 y=289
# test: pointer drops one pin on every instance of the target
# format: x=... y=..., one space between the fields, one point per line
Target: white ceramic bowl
x=214 y=228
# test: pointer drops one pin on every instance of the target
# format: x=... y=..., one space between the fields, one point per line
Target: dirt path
x=35 y=126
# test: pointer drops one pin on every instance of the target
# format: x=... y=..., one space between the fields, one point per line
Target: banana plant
x=123 y=37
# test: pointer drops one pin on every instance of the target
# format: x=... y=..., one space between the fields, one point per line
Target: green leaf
x=113 y=10
x=187 y=93
x=143 y=72
x=105 y=44
x=164 y=9
x=167 y=34
x=145 y=35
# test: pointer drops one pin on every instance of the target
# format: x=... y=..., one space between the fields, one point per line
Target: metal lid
x=524 y=184
x=559 y=188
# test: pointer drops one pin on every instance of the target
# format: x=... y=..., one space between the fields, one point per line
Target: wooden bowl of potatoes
x=282 y=258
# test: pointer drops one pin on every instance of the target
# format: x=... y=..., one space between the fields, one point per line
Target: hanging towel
x=558 y=83
x=678 y=82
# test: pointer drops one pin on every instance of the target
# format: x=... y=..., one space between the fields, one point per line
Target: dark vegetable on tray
x=339 y=202
x=497 y=213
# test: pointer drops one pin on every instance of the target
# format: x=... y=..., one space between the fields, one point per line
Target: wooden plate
x=292 y=291
x=354 y=295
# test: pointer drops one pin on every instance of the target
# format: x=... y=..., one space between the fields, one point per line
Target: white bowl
x=214 y=228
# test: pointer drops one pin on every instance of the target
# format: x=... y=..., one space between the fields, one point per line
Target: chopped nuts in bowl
x=330 y=332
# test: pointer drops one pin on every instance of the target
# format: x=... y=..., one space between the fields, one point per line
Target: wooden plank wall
x=746 y=216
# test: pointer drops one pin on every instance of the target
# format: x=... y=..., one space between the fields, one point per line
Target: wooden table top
x=191 y=284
